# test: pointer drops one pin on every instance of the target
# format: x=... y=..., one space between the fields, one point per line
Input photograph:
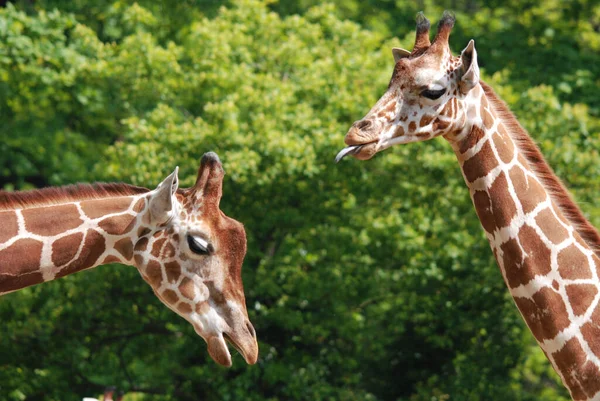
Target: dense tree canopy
x=365 y=281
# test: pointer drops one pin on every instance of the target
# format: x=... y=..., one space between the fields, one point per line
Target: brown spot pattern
x=93 y=247
x=480 y=164
x=504 y=147
x=447 y=110
x=111 y=259
x=51 y=220
x=529 y=191
x=154 y=274
x=12 y=283
x=125 y=247
x=399 y=131
x=168 y=251
x=591 y=335
x=139 y=260
x=101 y=207
x=425 y=120
x=484 y=103
x=65 y=249
x=187 y=288
x=483 y=207
x=173 y=271
x=9 y=226
x=520 y=268
x=552 y=229
x=581 y=297
x=157 y=246
x=390 y=107
x=488 y=120
x=412 y=126
x=503 y=206
x=184 y=308
x=139 y=205
x=22 y=257
x=118 y=225
x=440 y=125
x=573 y=264
x=580 y=375
x=141 y=245
x=471 y=139
x=170 y=296
x=545 y=313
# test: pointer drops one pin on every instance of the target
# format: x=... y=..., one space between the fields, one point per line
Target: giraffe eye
x=433 y=93
x=199 y=245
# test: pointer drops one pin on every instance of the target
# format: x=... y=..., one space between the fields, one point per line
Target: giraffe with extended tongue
x=547 y=251
x=180 y=241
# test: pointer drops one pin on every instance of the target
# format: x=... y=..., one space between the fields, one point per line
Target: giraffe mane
x=58 y=195
x=551 y=183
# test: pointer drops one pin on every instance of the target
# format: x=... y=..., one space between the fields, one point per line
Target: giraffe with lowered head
x=547 y=251
x=183 y=245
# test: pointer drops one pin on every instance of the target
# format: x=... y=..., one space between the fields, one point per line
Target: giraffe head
x=191 y=254
x=426 y=97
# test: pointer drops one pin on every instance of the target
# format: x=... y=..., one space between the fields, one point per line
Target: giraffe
x=183 y=245
x=547 y=251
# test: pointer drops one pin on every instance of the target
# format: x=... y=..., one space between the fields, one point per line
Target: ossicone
x=444 y=28
x=422 y=34
x=209 y=183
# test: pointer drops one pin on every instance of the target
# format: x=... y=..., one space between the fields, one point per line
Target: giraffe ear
x=161 y=201
x=399 y=53
x=470 y=77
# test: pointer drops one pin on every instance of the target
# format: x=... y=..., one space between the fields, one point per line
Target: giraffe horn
x=422 y=36
x=444 y=28
x=210 y=177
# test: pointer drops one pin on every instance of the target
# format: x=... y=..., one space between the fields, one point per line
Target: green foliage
x=365 y=281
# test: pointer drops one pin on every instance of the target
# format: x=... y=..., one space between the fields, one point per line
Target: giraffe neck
x=45 y=242
x=547 y=262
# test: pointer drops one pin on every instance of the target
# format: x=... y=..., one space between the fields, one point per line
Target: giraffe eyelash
x=433 y=94
x=199 y=245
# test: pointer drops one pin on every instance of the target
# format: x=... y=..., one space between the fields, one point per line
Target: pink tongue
x=218 y=351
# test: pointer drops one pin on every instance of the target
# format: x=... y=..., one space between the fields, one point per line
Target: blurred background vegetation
x=365 y=281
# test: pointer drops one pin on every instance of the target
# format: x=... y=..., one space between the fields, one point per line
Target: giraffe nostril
x=363 y=124
x=250 y=329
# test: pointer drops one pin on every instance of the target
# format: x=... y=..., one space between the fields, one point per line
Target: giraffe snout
x=362 y=124
x=362 y=132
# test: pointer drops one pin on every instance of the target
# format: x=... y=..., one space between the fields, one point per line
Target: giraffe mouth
x=230 y=341
x=363 y=151
x=219 y=351
x=246 y=352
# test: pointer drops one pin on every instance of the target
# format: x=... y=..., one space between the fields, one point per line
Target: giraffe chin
x=218 y=351
x=366 y=151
